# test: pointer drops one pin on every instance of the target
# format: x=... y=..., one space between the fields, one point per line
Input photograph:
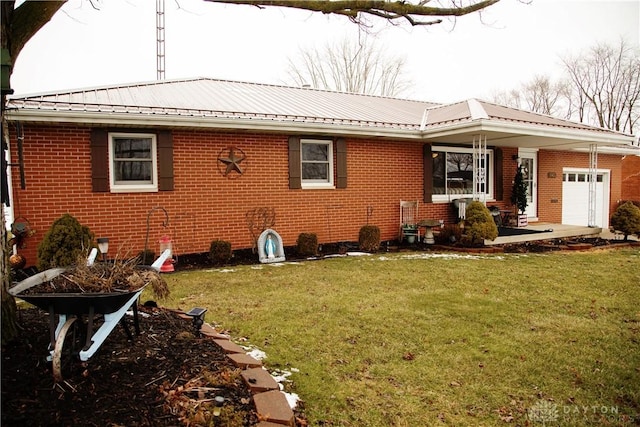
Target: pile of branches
x=102 y=277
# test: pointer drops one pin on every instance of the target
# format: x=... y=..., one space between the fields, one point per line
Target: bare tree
x=544 y=96
x=510 y=98
x=607 y=86
x=540 y=95
x=356 y=66
x=602 y=88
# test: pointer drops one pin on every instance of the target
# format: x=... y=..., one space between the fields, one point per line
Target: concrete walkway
x=556 y=231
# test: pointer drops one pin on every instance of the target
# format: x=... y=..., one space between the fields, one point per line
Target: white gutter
x=257 y=124
x=622 y=151
x=573 y=136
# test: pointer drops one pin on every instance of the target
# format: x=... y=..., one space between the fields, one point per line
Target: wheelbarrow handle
x=161 y=259
x=92 y=257
x=36 y=279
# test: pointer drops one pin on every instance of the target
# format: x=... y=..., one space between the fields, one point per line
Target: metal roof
x=213 y=103
x=229 y=99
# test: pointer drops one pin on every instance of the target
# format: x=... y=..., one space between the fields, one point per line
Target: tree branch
x=390 y=10
x=21 y=23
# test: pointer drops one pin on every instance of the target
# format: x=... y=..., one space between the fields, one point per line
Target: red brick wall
x=205 y=205
x=631 y=178
x=550 y=166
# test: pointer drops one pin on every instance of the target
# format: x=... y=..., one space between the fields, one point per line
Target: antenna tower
x=160 y=39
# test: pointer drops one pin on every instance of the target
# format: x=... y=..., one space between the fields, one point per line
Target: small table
x=428 y=224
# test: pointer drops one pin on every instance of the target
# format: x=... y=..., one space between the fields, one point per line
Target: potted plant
x=519 y=197
x=410 y=231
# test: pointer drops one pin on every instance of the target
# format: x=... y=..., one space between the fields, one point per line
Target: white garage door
x=575 y=198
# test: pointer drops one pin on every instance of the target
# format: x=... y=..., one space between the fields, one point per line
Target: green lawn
x=419 y=339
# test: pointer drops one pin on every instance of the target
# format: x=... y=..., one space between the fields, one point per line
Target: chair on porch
x=409 y=220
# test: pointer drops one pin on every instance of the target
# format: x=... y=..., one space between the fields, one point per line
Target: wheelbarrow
x=68 y=340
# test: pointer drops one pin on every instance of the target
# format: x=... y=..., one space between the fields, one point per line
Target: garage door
x=575 y=198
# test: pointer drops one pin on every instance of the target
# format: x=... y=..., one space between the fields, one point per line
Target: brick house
x=211 y=153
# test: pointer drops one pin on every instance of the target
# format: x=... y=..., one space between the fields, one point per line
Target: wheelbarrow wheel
x=68 y=345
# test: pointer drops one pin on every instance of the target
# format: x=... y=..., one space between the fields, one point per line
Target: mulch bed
x=166 y=377
x=573 y=243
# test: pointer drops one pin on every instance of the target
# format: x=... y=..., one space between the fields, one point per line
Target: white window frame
x=489 y=169
x=318 y=183
x=137 y=187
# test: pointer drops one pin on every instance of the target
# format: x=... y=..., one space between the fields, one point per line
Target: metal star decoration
x=230 y=159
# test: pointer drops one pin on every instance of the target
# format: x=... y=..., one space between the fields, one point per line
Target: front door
x=529 y=162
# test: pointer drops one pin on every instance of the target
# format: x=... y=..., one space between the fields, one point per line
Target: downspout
x=9 y=210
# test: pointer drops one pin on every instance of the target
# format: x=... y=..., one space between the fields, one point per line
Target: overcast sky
x=507 y=45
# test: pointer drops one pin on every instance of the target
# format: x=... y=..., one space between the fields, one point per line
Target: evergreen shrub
x=626 y=219
x=479 y=224
x=63 y=243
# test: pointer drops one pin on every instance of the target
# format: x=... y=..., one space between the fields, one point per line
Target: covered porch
x=483 y=127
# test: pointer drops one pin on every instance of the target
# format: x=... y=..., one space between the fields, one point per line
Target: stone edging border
x=270 y=403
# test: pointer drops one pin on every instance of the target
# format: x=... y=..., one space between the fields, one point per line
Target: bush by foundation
x=307 y=244
x=369 y=238
x=220 y=252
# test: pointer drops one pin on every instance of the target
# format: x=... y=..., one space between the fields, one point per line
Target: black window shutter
x=427 y=171
x=295 y=163
x=498 y=173
x=99 y=160
x=341 y=163
x=165 y=161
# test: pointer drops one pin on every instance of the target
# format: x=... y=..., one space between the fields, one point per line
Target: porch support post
x=593 y=177
x=480 y=168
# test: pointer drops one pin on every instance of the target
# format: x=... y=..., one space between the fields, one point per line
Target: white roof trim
x=425 y=116
x=476 y=110
x=524 y=133
x=243 y=124
x=513 y=134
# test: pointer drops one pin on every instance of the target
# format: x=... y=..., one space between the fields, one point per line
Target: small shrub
x=63 y=243
x=369 y=238
x=626 y=219
x=220 y=252
x=146 y=257
x=479 y=223
x=450 y=233
x=307 y=244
